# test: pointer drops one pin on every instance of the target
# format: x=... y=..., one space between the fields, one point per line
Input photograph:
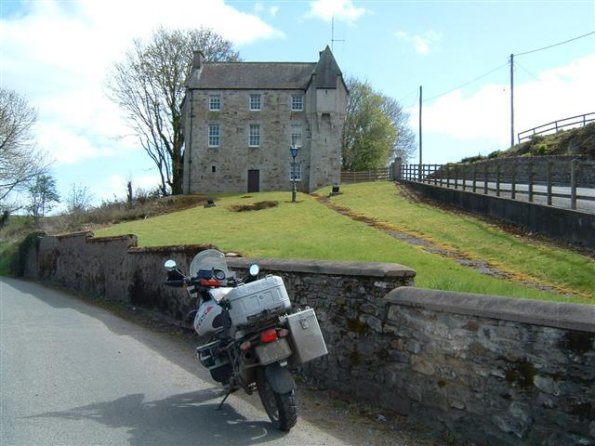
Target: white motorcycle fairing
x=208 y=317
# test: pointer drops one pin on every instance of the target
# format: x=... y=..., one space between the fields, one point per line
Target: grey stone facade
x=241 y=118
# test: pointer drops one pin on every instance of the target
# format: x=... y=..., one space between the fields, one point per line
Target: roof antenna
x=333 y=40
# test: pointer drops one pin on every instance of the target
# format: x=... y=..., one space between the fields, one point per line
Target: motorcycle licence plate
x=273 y=351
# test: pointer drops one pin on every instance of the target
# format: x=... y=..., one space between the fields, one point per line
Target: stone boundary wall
x=577 y=228
x=486 y=369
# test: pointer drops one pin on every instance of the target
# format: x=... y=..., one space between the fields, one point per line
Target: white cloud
x=58 y=55
x=259 y=8
x=422 y=43
x=339 y=9
x=457 y=124
x=556 y=94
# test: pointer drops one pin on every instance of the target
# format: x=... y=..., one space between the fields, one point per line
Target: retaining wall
x=489 y=370
x=577 y=228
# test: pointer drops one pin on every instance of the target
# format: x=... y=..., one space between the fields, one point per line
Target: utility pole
x=420 y=134
x=511 y=100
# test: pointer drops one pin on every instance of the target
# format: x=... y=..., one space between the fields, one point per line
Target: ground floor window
x=296 y=172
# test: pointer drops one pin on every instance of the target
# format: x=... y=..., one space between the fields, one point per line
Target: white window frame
x=214 y=138
x=297 y=102
x=295 y=169
x=215 y=102
x=296 y=135
x=254 y=135
x=255 y=102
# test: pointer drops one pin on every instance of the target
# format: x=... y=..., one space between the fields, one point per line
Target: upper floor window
x=254 y=135
x=255 y=102
x=214 y=135
x=297 y=102
x=296 y=135
x=214 y=102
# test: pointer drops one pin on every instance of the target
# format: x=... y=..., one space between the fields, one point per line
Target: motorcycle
x=250 y=337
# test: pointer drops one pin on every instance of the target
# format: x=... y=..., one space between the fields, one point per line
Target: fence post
x=485 y=178
x=530 y=186
x=497 y=179
x=464 y=177
x=448 y=176
x=573 y=169
x=549 y=182
x=513 y=182
x=474 y=177
x=456 y=176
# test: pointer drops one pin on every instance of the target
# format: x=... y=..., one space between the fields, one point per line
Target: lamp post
x=293 y=150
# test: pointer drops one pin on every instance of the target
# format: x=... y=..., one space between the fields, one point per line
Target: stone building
x=240 y=119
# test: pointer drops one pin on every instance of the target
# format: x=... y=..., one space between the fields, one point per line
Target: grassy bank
x=310 y=230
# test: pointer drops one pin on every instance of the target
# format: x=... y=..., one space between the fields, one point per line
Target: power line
x=555 y=44
x=466 y=83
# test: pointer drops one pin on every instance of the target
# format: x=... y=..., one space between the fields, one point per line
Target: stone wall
x=574 y=227
x=490 y=370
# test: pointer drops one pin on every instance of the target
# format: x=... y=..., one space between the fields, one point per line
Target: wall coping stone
x=569 y=316
x=375 y=269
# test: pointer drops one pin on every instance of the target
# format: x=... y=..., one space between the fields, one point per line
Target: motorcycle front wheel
x=280 y=407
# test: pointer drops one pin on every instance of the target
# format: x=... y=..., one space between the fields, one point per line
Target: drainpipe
x=188 y=151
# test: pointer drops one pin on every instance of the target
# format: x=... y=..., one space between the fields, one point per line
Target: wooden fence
x=556 y=126
x=348 y=176
x=571 y=180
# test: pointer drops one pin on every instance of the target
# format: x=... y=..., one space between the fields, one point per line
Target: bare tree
x=149 y=85
x=20 y=160
x=78 y=200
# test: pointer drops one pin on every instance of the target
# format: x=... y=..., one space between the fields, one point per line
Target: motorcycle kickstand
x=223 y=400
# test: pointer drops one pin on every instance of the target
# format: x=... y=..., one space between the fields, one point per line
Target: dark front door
x=254 y=181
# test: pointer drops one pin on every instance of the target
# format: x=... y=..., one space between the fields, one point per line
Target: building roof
x=265 y=75
x=254 y=75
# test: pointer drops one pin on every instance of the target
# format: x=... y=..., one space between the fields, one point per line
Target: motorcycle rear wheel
x=280 y=407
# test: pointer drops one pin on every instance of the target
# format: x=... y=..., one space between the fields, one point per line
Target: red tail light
x=269 y=335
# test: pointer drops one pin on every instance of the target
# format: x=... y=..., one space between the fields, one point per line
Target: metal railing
x=556 y=126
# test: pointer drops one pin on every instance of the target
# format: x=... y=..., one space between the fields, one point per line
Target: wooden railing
x=348 y=176
x=557 y=182
x=556 y=126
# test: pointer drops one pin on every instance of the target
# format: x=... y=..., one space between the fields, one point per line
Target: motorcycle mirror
x=254 y=270
x=170 y=265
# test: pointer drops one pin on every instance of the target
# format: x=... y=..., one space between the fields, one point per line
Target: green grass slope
x=310 y=230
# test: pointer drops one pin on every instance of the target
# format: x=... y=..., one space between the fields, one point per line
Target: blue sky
x=59 y=53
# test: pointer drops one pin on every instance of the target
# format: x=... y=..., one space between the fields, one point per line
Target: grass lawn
x=310 y=230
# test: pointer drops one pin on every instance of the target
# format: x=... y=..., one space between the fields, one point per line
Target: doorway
x=254 y=181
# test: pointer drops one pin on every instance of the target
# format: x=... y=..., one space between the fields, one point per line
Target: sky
x=58 y=54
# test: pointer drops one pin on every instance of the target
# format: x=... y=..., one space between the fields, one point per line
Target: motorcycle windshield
x=207 y=261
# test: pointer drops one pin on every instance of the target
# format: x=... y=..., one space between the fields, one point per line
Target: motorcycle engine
x=217 y=362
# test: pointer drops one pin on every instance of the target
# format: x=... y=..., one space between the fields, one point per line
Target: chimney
x=198 y=60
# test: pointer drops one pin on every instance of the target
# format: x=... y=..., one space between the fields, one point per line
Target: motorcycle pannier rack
x=248 y=302
x=306 y=337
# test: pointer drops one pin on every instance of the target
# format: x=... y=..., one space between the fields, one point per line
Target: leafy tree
x=375 y=129
x=43 y=195
x=20 y=160
x=149 y=85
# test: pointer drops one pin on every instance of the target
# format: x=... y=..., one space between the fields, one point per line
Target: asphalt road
x=75 y=374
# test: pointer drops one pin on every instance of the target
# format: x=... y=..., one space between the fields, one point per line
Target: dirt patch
x=254 y=207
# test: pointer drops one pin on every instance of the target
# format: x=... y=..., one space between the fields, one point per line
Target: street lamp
x=293 y=150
